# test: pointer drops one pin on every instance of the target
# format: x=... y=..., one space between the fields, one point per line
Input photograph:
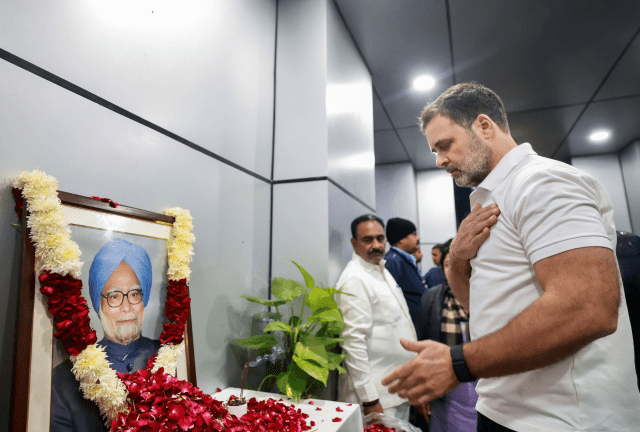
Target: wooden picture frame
x=93 y=223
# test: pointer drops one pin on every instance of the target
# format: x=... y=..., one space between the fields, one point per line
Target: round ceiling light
x=600 y=136
x=424 y=82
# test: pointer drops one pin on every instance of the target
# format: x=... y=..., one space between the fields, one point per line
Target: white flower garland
x=58 y=253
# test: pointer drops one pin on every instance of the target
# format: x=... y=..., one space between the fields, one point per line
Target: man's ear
x=484 y=127
x=353 y=243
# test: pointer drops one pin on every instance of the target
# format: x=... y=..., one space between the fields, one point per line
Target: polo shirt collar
x=367 y=265
x=506 y=164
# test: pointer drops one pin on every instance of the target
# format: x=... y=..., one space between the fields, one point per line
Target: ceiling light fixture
x=424 y=82
x=599 y=136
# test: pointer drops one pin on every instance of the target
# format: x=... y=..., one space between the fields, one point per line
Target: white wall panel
x=201 y=69
x=349 y=113
x=301 y=80
x=436 y=206
x=300 y=221
x=396 y=192
x=342 y=210
x=630 y=163
x=606 y=169
x=93 y=151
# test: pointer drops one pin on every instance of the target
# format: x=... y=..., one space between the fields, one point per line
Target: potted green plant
x=309 y=338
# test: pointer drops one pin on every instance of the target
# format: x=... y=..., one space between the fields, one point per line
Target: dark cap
x=398 y=228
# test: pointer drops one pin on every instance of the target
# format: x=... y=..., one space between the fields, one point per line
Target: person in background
x=400 y=262
x=444 y=320
x=435 y=275
x=376 y=316
x=419 y=255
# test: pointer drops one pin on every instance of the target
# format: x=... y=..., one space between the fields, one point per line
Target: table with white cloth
x=350 y=414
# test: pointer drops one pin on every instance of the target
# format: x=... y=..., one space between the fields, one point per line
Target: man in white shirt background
x=534 y=264
x=376 y=316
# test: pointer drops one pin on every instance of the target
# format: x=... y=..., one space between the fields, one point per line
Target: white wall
x=205 y=72
x=437 y=211
x=607 y=170
x=396 y=192
x=630 y=164
x=202 y=70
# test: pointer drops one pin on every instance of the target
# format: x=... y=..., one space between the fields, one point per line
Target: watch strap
x=459 y=365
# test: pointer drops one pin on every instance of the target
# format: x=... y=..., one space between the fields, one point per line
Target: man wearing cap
x=402 y=265
x=120 y=286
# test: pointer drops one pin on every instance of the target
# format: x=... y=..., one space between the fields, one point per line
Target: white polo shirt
x=548 y=207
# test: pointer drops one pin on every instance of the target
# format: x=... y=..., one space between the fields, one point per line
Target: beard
x=123 y=333
x=475 y=166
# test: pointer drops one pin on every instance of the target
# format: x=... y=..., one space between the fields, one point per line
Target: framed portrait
x=93 y=224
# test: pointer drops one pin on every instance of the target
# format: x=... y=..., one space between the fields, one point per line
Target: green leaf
x=265 y=301
x=278 y=326
x=257 y=342
x=313 y=369
x=308 y=280
x=316 y=353
x=286 y=289
x=319 y=298
x=335 y=362
x=292 y=383
x=335 y=327
x=326 y=315
x=333 y=291
x=294 y=321
x=320 y=340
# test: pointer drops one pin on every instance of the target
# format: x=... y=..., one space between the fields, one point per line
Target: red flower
x=336 y=420
x=339 y=409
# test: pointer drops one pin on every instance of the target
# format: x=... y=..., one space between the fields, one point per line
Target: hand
x=425 y=410
x=473 y=231
x=375 y=408
x=427 y=376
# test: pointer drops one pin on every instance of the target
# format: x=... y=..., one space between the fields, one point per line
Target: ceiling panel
x=400 y=40
x=621 y=116
x=418 y=148
x=625 y=78
x=380 y=118
x=540 y=53
x=387 y=148
x=543 y=129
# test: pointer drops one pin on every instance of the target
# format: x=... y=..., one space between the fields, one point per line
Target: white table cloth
x=351 y=414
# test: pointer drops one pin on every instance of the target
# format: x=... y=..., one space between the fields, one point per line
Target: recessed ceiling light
x=600 y=136
x=424 y=82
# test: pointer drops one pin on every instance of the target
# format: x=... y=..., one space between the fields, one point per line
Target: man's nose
x=440 y=161
x=126 y=306
x=377 y=244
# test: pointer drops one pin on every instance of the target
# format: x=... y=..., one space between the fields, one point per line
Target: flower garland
x=150 y=399
x=59 y=267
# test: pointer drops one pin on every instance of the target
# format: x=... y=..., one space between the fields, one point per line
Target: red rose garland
x=156 y=400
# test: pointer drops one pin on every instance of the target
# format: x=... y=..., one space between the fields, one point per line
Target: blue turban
x=109 y=258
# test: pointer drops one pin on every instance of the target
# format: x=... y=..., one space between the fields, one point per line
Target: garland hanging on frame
x=151 y=398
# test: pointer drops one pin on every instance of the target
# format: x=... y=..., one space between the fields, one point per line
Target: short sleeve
x=556 y=210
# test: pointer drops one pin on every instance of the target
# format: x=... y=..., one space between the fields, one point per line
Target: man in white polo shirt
x=550 y=334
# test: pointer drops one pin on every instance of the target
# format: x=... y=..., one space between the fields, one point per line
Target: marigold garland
x=151 y=398
x=59 y=268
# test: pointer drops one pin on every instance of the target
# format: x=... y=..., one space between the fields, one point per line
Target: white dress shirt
x=376 y=317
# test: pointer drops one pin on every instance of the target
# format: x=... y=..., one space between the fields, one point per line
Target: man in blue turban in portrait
x=119 y=286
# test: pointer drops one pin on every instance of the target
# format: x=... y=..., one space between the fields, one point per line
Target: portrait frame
x=35 y=351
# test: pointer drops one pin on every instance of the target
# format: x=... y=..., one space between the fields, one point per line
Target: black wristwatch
x=370 y=404
x=459 y=365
